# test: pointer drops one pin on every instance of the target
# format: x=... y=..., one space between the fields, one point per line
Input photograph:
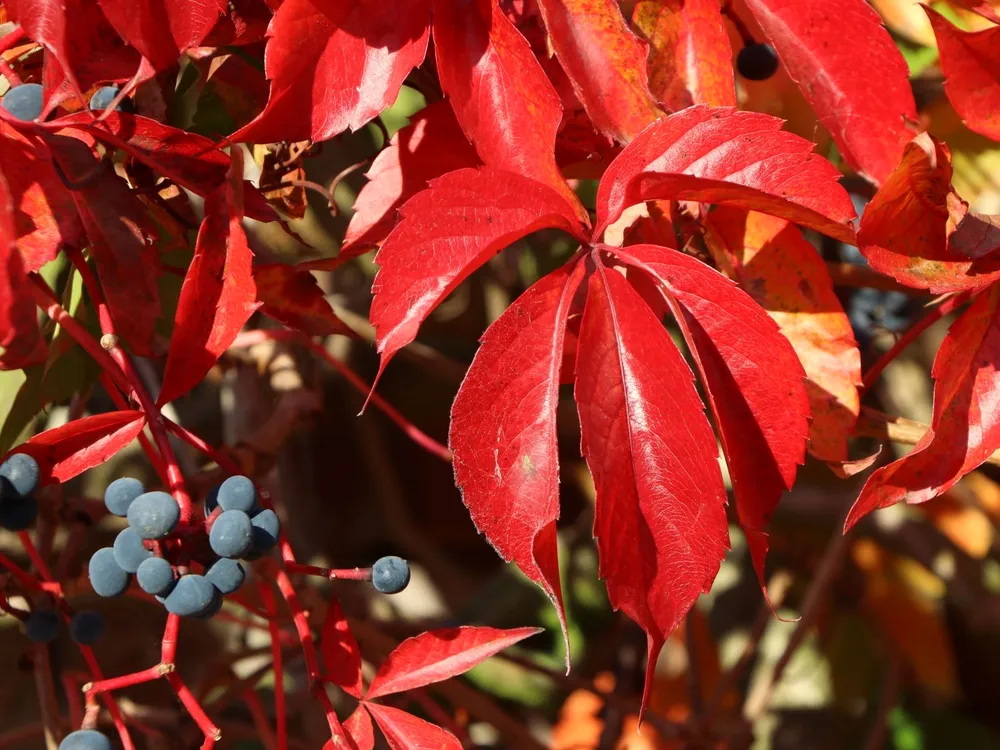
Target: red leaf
x=341 y=656
x=905 y=229
x=404 y=731
x=660 y=519
x=162 y=29
x=503 y=430
x=721 y=155
x=359 y=729
x=218 y=295
x=605 y=62
x=335 y=64
x=775 y=264
x=65 y=452
x=501 y=96
x=971 y=65
x=431 y=145
x=965 y=429
x=445 y=233
x=294 y=298
x=438 y=655
x=979 y=7
x=850 y=71
x=753 y=379
x=690 y=55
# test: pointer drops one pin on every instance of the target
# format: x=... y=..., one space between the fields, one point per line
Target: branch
x=876 y=424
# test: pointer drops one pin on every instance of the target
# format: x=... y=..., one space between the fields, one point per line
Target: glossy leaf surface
x=404 y=731
x=341 y=656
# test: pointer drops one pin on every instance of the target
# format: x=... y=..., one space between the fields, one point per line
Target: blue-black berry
x=237 y=493
x=87 y=626
x=757 y=62
x=24 y=101
x=130 y=551
x=106 y=575
x=192 y=594
x=156 y=576
x=19 y=513
x=41 y=626
x=213 y=606
x=85 y=739
x=390 y=575
x=21 y=474
x=231 y=534
x=266 y=529
x=120 y=494
x=103 y=97
x=154 y=515
x=226 y=575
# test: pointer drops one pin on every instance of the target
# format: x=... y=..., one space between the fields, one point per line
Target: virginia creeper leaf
x=971 y=65
x=905 y=229
x=218 y=295
x=335 y=64
x=660 y=519
x=503 y=430
x=359 y=729
x=294 y=298
x=753 y=379
x=501 y=96
x=983 y=8
x=445 y=233
x=965 y=428
x=440 y=654
x=690 y=57
x=162 y=29
x=606 y=63
x=69 y=450
x=776 y=266
x=432 y=144
x=341 y=656
x=850 y=71
x=721 y=155
x=404 y=731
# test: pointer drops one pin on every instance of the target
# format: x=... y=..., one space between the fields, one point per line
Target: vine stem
x=267 y=597
x=331 y=574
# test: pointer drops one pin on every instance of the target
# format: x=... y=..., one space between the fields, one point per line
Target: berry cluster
x=25 y=101
x=19 y=477
x=160 y=552
x=85 y=627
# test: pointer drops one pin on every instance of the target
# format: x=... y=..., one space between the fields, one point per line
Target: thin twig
x=876 y=424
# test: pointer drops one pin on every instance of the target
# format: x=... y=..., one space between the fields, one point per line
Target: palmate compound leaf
x=753 y=379
x=690 y=59
x=965 y=428
x=444 y=234
x=336 y=64
x=660 y=519
x=850 y=71
x=971 y=65
x=503 y=430
x=724 y=156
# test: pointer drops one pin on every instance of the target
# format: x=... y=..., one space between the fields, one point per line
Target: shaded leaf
x=775 y=264
x=503 y=430
x=605 y=62
x=295 y=298
x=965 y=429
x=690 y=57
x=404 y=731
x=440 y=654
x=721 y=155
x=753 y=379
x=501 y=96
x=971 y=65
x=359 y=729
x=851 y=72
x=660 y=518
x=445 y=233
x=69 y=450
x=980 y=7
x=341 y=656
x=431 y=145
x=335 y=64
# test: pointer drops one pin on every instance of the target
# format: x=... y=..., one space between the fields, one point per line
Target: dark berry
x=266 y=529
x=120 y=494
x=226 y=575
x=24 y=101
x=156 y=576
x=85 y=739
x=191 y=595
x=213 y=606
x=106 y=575
x=103 y=97
x=237 y=493
x=390 y=575
x=18 y=514
x=757 y=62
x=22 y=474
x=87 y=626
x=231 y=534
x=130 y=551
x=211 y=501
x=154 y=515
x=41 y=626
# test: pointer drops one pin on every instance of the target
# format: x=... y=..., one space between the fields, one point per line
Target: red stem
x=331 y=574
x=36 y=559
x=111 y=684
x=267 y=596
x=109 y=702
x=12 y=39
x=9 y=74
x=168 y=646
x=211 y=732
